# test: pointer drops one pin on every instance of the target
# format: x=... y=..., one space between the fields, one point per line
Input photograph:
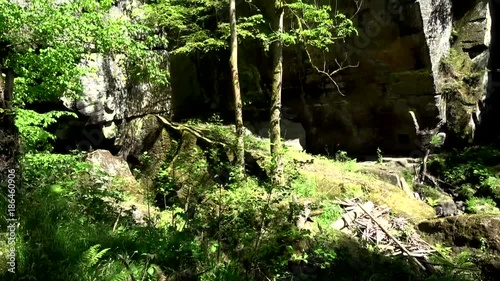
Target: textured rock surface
x=465 y=86
x=143 y=134
x=490 y=127
x=395 y=75
x=114 y=166
x=437 y=21
x=399 y=52
x=479 y=233
x=111 y=97
x=465 y=230
x=293 y=133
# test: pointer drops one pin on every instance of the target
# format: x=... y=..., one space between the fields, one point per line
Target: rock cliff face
x=112 y=99
x=428 y=56
x=403 y=51
x=397 y=55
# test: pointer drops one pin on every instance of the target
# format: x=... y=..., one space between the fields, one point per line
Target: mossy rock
x=140 y=135
x=400 y=203
x=473 y=231
x=461 y=88
x=344 y=180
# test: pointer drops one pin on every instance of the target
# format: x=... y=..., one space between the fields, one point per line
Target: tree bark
x=2 y=95
x=275 y=128
x=9 y=141
x=238 y=107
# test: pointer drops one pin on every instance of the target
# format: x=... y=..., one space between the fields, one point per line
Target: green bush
x=482 y=206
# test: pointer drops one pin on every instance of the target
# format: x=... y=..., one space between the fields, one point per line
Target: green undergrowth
x=210 y=227
x=474 y=173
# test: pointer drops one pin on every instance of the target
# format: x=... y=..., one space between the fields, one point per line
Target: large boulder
x=465 y=230
x=292 y=132
x=480 y=234
x=113 y=166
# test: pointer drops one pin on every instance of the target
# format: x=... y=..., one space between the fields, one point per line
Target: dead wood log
x=350 y=216
x=315 y=213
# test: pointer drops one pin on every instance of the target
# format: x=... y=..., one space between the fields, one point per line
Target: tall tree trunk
x=238 y=107
x=9 y=141
x=275 y=128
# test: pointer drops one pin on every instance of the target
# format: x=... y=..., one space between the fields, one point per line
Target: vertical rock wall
x=465 y=79
x=112 y=98
x=397 y=52
x=399 y=57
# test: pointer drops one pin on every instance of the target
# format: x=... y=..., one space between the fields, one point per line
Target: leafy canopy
x=45 y=42
x=203 y=25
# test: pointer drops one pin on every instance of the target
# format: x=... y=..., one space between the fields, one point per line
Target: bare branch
x=358 y=7
x=330 y=74
x=415 y=122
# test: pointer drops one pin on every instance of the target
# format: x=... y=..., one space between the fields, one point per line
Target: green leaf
x=56 y=188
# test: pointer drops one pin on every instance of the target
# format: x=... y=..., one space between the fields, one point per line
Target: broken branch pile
x=377 y=226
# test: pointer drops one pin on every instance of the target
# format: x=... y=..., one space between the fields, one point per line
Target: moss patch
x=474 y=231
x=460 y=87
x=346 y=180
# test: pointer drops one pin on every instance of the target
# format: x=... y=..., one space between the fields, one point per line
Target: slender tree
x=275 y=128
x=311 y=25
x=308 y=25
x=238 y=107
x=9 y=142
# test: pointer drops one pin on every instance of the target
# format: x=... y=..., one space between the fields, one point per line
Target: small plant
x=93 y=255
x=432 y=202
x=326 y=256
x=482 y=206
x=216 y=119
x=443 y=250
x=437 y=140
x=408 y=176
x=484 y=244
x=341 y=156
x=331 y=212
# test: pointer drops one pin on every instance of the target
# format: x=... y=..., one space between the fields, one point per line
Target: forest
x=208 y=140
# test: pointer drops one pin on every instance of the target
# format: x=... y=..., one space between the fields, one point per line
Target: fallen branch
x=351 y=216
x=181 y=127
x=117 y=219
x=316 y=213
x=403 y=248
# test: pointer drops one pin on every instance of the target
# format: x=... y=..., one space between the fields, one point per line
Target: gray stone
x=108 y=95
x=446 y=208
x=111 y=97
x=437 y=22
x=474 y=28
x=292 y=132
x=114 y=166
